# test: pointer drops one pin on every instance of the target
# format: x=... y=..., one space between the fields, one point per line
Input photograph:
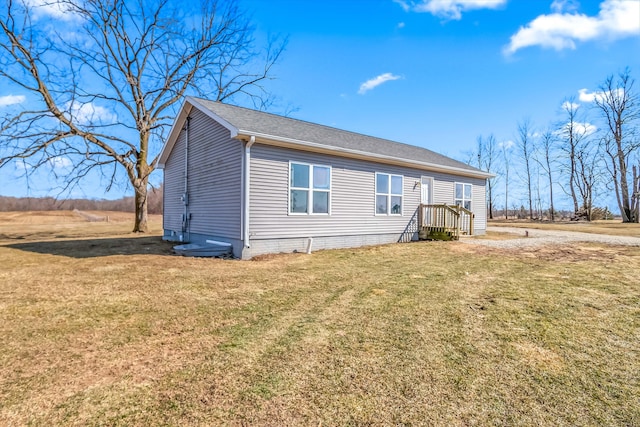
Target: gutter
x=185 y=195
x=363 y=155
x=247 y=188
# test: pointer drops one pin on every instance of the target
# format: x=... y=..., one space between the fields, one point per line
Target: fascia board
x=231 y=128
x=178 y=124
x=356 y=154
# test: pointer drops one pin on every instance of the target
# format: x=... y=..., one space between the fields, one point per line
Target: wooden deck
x=444 y=222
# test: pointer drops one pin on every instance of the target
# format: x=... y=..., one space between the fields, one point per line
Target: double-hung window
x=463 y=195
x=309 y=188
x=389 y=194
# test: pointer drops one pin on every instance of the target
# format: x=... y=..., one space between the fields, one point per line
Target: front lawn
x=118 y=331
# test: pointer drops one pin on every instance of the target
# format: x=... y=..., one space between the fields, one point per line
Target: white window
x=389 y=194
x=309 y=189
x=463 y=195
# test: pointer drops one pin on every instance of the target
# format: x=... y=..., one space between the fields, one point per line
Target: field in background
x=613 y=228
x=100 y=326
x=45 y=225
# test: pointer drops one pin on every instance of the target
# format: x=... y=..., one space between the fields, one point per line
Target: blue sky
x=452 y=75
x=433 y=73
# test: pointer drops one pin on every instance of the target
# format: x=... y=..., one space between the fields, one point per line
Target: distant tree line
x=588 y=156
x=124 y=204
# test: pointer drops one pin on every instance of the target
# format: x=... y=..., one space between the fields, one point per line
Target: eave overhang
x=297 y=144
x=356 y=154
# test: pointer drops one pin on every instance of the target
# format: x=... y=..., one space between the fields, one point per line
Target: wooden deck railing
x=466 y=220
x=452 y=220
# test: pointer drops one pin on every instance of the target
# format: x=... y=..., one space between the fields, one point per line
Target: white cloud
x=448 y=9
x=585 y=128
x=60 y=163
x=90 y=113
x=570 y=106
x=561 y=30
x=11 y=100
x=506 y=144
x=403 y=4
x=560 y=6
x=55 y=9
x=376 y=81
x=585 y=96
x=579 y=128
x=21 y=166
x=401 y=24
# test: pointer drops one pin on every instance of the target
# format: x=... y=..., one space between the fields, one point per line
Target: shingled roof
x=271 y=126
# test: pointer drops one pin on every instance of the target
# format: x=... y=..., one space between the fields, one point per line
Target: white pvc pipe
x=186 y=155
x=247 y=185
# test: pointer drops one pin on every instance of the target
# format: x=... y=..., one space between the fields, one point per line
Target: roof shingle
x=253 y=121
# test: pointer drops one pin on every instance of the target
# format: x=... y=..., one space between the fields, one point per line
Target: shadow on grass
x=89 y=248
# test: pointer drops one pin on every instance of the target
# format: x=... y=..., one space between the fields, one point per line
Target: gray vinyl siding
x=174 y=187
x=352 y=196
x=444 y=191
x=215 y=179
x=479 y=205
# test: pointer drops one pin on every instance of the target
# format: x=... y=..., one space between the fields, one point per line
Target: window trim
x=389 y=194
x=463 y=199
x=309 y=190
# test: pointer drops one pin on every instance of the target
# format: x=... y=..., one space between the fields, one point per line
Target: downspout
x=247 y=185
x=185 y=195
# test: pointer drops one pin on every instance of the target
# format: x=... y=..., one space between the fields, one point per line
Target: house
x=268 y=184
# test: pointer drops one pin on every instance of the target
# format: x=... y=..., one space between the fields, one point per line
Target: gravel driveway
x=546 y=237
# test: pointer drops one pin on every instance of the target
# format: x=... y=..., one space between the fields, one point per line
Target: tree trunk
x=635 y=197
x=490 y=198
x=552 y=213
x=506 y=184
x=506 y=199
x=625 y=206
x=490 y=204
x=140 y=187
x=572 y=186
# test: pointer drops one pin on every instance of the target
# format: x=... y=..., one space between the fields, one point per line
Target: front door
x=425 y=186
x=425 y=197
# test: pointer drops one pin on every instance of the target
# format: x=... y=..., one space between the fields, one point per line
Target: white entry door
x=425 y=186
x=425 y=197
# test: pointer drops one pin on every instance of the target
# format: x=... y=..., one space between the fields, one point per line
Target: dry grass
x=119 y=332
x=48 y=225
x=612 y=228
x=494 y=235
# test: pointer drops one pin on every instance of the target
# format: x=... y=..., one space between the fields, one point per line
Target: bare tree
x=635 y=198
x=572 y=133
x=506 y=159
x=587 y=177
x=487 y=156
x=525 y=146
x=619 y=107
x=106 y=82
x=538 y=200
x=545 y=153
